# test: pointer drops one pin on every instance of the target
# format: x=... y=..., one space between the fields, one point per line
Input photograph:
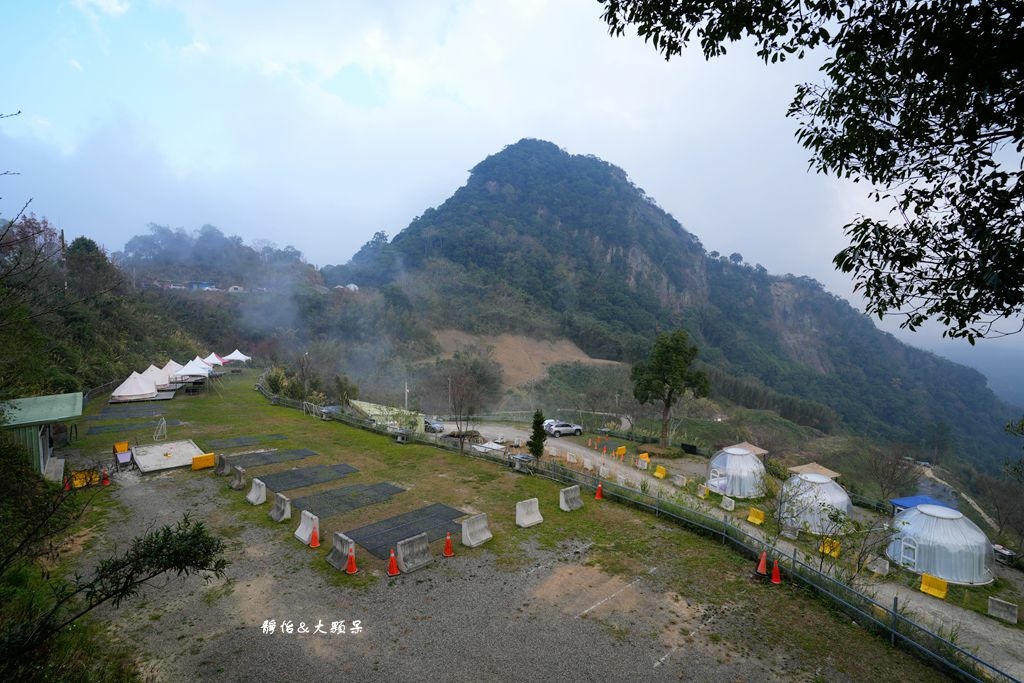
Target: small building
x=31 y=421
x=352 y=287
x=815 y=468
x=235 y=289
x=901 y=504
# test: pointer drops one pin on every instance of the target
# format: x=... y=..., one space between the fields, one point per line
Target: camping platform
x=267 y=457
x=305 y=476
x=380 y=537
x=238 y=441
x=166 y=456
x=128 y=427
x=336 y=501
x=160 y=396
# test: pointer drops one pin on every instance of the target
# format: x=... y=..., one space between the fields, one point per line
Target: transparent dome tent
x=736 y=472
x=808 y=499
x=940 y=541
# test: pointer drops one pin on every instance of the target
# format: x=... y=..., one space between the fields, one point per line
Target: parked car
x=433 y=426
x=547 y=423
x=563 y=428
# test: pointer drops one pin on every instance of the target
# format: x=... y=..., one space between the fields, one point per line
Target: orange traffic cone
x=448 y=552
x=314 y=539
x=776 y=579
x=599 y=495
x=106 y=477
x=67 y=484
x=393 y=565
x=605 y=451
x=590 y=443
x=762 y=564
x=350 y=568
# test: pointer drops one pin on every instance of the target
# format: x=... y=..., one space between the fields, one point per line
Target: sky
x=316 y=124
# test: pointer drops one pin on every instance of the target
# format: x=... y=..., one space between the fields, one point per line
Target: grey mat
x=236 y=441
x=380 y=537
x=128 y=427
x=267 y=457
x=337 y=501
x=305 y=476
x=128 y=412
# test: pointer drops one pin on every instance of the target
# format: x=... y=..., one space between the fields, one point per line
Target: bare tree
x=891 y=471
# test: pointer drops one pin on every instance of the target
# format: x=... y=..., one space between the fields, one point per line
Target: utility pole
x=407 y=394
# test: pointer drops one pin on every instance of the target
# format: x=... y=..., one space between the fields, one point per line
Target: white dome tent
x=135 y=388
x=940 y=541
x=736 y=472
x=807 y=500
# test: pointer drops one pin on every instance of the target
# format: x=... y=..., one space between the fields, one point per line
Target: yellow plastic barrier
x=934 y=586
x=121 y=447
x=620 y=451
x=84 y=478
x=660 y=472
x=829 y=546
x=645 y=456
x=702 y=491
x=204 y=461
x=756 y=516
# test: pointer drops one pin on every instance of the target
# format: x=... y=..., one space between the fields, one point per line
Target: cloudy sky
x=316 y=124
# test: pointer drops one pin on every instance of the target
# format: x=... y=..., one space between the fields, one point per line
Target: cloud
x=75 y=64
x=112 y=8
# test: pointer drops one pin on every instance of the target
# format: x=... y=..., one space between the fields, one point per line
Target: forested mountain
x=546 y=243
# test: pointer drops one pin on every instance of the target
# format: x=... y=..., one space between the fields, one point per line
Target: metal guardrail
x=884 y=620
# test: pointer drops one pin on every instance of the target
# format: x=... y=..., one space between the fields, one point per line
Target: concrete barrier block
x=237 y=478
x=1000 y=609
x=338 y=557
x=307 y=522
x=282 y=509
x=679 y=480
x=571 y=458
x=569 y=499
x=475 y=531
x=413 y=553
x=643 y=464
x=602 y=472
x=702 y=491
x=223 y=466
x=258 y=493
x=528 y=513
x=588 y=464
x=728 y=503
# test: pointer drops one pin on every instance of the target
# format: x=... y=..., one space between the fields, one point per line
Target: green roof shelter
x=29 y=421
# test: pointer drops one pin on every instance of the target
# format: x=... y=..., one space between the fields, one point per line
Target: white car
x=558 y=428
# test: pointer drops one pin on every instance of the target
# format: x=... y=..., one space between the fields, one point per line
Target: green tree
x=36 y=517
x=920 y=100
x=537 y=436
x=667 y=375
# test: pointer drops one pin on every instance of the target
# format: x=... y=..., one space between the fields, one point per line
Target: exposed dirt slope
x=522 y=359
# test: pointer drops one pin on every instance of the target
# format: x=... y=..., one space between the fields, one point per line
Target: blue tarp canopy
x=913 y=501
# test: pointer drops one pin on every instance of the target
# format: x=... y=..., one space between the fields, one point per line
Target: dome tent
x=135 y=388
x=736 y=472
x=172 y=367
x=807 y=500
x=159 y=377
x=940 y=541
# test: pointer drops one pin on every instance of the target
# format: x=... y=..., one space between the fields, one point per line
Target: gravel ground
x=462 y=619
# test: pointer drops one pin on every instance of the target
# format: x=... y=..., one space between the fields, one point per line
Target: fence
x=884 y=620
x=96 y=391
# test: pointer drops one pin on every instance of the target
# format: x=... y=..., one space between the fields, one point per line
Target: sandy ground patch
x=522 y=359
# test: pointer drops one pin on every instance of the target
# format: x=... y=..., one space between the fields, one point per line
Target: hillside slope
x=548 y=244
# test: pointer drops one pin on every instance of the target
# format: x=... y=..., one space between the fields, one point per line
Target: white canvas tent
x=201 y=361
x=940 y=541
x=213 y=359
x=135 y=388
x=194 y=368
x=238 y=355
x=808 y=499
x=158 y=376
x=172 y=367
x=736 y=472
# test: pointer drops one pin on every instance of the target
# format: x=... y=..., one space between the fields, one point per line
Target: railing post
x=892 y=630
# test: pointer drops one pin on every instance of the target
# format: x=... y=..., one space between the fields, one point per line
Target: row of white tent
x=145 y=385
